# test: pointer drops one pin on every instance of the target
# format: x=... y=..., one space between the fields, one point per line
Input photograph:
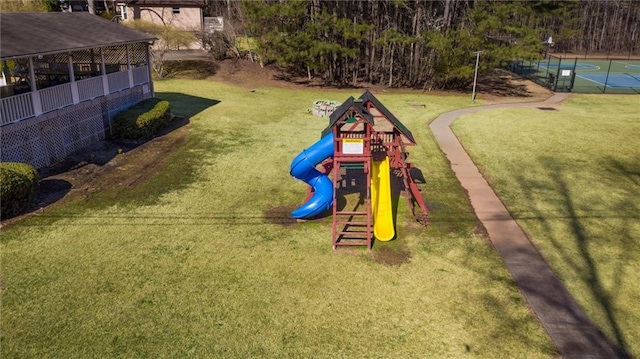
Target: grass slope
x=571 y=178
x=198 y=261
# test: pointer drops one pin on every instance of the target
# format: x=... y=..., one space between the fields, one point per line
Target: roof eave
x=349 y=104
x=149 y=41
x=368 y=96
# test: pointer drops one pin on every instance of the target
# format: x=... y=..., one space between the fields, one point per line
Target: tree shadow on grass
x=579 y=255
x=579 y=250
x=186 y=105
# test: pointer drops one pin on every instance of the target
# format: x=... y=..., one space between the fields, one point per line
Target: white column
x=74 y=86
x=129 y=69
x=6 y=74
x=103 y=71
x=148 y=59
x=35 y=95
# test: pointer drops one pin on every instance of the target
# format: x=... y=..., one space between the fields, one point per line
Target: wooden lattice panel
x=24 y=144
x=52 y=134
x=91 y=127
x=70 y=134
x=81 y=126
x=138 y=54
x=115 y=54
x=115 y=104
x=61 y=60
x=86 y=56
x=50 y=138
x=87 y=61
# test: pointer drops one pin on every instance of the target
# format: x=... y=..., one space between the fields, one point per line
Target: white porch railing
x=90 y=88
x=140 y=75
x=118 y=81
x=16 y=108
x=19 y=107
x=53 y=98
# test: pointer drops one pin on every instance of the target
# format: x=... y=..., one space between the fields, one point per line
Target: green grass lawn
x=195 y=262
x=571 y=178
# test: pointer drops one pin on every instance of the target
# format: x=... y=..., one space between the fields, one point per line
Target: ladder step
x=347 y=213
x=351 y=158
x=345 y=233
x=348 y=223
x=352 y=166
x=352 y=243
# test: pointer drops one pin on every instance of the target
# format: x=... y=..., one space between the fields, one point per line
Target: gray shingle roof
x=30 y=34
x=368 y=96
x=358 y=105
x=349 y=105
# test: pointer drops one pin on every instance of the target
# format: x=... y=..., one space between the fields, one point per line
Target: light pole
x=475 y=76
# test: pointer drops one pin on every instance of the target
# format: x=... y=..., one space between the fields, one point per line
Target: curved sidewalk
x=573 y=333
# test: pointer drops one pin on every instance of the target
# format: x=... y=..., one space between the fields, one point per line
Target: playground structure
x=363 y=136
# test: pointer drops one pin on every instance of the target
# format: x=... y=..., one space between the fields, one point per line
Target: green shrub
x=142 y=120
x=18 y=187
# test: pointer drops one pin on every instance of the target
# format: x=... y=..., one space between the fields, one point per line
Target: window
x=176 y=10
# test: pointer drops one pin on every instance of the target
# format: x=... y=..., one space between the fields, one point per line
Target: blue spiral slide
x=303 y=168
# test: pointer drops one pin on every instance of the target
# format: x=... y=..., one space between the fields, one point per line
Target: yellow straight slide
x=381 y=201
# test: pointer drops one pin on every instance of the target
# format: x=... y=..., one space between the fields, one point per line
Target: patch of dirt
x=391 y=255
x=280 y=215
x=497 y=85
x=248 y=74
x=480 y=230
x=411 y=223
x=500 y=85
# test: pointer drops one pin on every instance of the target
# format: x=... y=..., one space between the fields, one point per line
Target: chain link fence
x=581 y=75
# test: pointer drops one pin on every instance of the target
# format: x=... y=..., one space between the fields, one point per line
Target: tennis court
x=585 y=76
x=612 y=80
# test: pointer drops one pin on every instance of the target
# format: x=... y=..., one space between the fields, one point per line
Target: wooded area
x=428 y=44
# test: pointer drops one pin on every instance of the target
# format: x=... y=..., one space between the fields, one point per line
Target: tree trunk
x=391 y=65
x=91 y=6
x=447 y=10
x=601 y=44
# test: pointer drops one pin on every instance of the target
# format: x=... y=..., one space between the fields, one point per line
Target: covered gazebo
x=63 y=78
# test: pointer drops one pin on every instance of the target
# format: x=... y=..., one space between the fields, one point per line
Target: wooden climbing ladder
x=352 y=227
x=352 y=151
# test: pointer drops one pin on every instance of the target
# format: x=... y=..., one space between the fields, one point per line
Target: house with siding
x=64 y=76
x=185 y=15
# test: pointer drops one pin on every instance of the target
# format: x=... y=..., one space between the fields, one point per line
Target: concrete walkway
x=573 y=333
